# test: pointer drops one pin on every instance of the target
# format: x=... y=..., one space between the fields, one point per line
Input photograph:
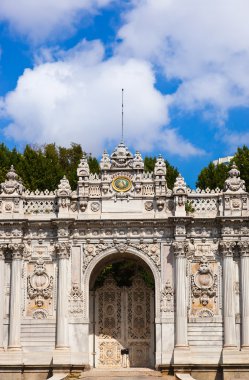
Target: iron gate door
x=124 y=325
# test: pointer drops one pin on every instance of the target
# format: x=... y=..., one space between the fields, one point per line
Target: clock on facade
x=121 y=183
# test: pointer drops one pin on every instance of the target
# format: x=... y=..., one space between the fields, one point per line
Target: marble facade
x=195 y=243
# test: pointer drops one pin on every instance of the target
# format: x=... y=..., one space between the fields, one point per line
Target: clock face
x=121 y=183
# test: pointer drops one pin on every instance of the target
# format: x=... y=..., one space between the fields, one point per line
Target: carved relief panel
x=40 y=279
x=204 y=288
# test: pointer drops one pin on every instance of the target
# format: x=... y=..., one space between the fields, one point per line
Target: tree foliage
x=42 y=167
x=241 y=159
x=214 y=176
x=171 y=174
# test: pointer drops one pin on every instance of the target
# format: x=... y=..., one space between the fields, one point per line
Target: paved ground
x=127 y=374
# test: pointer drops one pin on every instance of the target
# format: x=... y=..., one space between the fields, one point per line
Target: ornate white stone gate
x=124 y=335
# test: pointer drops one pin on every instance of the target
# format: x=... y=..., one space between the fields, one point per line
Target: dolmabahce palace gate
x=62 y=307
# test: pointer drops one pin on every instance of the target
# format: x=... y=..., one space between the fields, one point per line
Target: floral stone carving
x=167 y=298
x=39 y=290
x=75 y=301
x=204 y=286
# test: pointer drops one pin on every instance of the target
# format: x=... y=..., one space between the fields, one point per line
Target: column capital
x=227 y=248
x=3 y=248
x=16 y=250
x=180 y=248
x=243 y=248
x=63 y=250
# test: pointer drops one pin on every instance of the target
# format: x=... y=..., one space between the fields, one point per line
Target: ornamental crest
x=204 y=286
x=39 y=290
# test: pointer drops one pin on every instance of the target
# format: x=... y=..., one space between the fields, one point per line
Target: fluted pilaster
x=244 y=272
x=15 y=296
x=2 y=249
x=227 y=248
x=63 y=254
x=181 y=302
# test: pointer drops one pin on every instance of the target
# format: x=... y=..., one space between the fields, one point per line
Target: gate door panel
x=124 y=334
x=109 y=334
x=139 y=333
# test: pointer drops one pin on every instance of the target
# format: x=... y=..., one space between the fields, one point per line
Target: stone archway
x=123 y=315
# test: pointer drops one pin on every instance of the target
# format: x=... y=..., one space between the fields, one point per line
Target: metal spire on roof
x=122 y=136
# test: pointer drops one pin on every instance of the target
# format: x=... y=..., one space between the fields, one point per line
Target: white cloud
x=235 y=139
x=78 y=98
x=40 y=19
x=204 y=44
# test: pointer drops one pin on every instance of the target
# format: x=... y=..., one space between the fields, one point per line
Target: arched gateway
x=122 y=310
x=122 y=313
x=181 y=300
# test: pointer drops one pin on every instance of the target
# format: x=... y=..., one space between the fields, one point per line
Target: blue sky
x=184 y=68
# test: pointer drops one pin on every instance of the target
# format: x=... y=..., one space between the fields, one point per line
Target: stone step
x=120 y=372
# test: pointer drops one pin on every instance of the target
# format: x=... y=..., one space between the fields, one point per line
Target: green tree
x=212 y=176
x=42 y=167
x=93 y=164
x=241 y=159
x=171 y=173
x=69 y=159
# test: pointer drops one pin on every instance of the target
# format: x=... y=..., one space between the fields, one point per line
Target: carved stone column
x=181 y=302
x=228 y=294
x=244 y=272
x=1 y=294
x=63 y=254
x=15 y=296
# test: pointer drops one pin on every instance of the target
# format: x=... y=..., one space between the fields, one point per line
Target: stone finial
x=105 y=162
x=64 y=188
x=12 y=185
x=83 y=168
x=138 y=161
x=121 y=158
x=160 y=166
x=180 y=186
x=234 y=183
